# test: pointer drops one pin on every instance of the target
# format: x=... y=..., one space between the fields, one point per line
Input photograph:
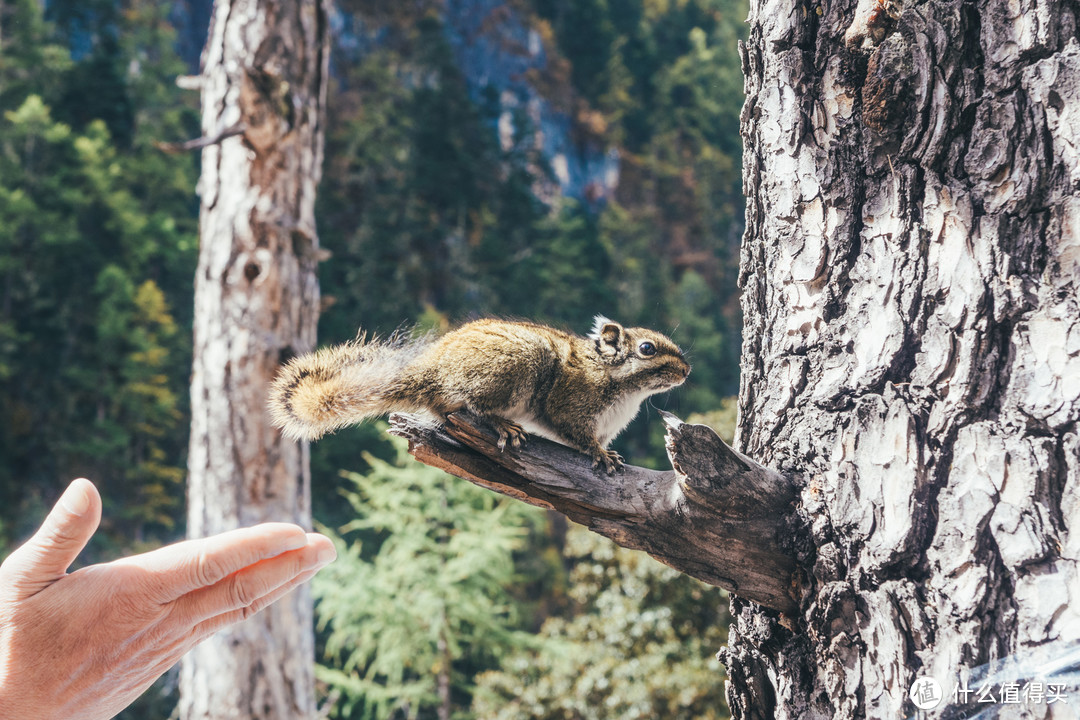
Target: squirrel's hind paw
x=508 y=431
x=610 y=459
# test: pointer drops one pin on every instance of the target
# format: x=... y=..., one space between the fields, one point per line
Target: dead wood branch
x=717 y=516
x=174 y=148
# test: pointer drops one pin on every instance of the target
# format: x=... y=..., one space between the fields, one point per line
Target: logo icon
x=925 y=693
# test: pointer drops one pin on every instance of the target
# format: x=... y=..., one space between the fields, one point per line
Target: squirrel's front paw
x=610 y=459
x=508 y=430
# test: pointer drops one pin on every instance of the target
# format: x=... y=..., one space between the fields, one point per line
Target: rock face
x=911 y=274
x=495 y=50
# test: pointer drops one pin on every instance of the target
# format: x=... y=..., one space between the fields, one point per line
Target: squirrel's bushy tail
x=341 y=385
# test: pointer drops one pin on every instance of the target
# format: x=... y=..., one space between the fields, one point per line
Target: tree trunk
x=442 y=681
x=911 y=271
x=256 y=305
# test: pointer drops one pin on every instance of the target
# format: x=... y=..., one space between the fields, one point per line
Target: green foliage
x=97 y=243
x=29 y=62
x=713 y=352
x=427 y=215
x=420 y=590
x=564 y=267
x=641 y=646
x=430 y=220
x=139 y=408
x=723 y=420
x=403 y=177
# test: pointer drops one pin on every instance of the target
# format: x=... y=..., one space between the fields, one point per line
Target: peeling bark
x=910 y=275
x=718 y=516
x=256 y=304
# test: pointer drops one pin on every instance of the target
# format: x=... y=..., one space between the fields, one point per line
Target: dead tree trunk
x=911 y=274
x=256 y=304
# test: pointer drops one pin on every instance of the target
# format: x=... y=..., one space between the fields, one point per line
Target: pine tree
x=641 y=645
x=419 y=599
x=93 y=234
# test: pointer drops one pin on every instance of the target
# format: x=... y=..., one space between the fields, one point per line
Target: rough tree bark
x=256 y=304
x=911 y=270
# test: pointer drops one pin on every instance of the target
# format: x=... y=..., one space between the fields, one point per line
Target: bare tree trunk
x=911 y=271
x=256 y=304
x=442 y=684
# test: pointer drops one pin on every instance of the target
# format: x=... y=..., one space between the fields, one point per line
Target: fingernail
x=326 y=556
x=76 y=500
x=293 y=542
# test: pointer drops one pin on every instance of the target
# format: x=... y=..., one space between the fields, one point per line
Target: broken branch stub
x=717 y=516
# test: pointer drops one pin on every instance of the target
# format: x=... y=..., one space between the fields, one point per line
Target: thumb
x=45 y=557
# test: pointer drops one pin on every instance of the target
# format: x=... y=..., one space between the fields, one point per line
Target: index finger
x=185 y=566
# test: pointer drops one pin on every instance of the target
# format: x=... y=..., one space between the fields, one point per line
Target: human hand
x=84 y=645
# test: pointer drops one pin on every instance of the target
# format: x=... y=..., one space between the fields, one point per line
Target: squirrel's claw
x=508 y=431
x=610 y=459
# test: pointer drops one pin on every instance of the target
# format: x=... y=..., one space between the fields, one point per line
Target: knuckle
x=206 y=569
x=241 y=593
x=198 y=633
x=249 y=610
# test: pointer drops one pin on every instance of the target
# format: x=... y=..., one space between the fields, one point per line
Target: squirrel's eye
x=647 y=349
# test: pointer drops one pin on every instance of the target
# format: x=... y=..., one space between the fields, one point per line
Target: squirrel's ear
x=598 y=325
x=608 y=335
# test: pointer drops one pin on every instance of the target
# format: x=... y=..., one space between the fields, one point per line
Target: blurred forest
x=599 y=175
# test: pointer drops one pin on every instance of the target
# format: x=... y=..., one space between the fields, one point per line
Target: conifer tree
x=640 y=644
x=93 y=234
x=419 y=600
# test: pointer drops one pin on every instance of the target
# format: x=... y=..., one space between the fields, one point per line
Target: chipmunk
x=520 y=377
